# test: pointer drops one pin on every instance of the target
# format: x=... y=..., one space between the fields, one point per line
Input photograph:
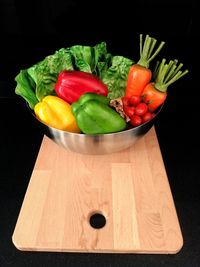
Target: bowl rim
x=95 y=135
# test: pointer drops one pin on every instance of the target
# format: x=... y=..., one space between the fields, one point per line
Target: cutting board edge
x=103 y=251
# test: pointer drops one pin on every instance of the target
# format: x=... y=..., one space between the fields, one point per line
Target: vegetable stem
x=155 y=71
x=166 y=74
x=171 y=70
x=156 y=52
x=153 y=43
x=146 y=47
x=146 y=50
x=160 y=70
x=176 y=77
x=140 y=45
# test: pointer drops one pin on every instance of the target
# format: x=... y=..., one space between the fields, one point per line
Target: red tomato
x=141 y=109
x=129 y=111
x=135 y=100
x=147 y=117
x=125 y=101
x=135 y=120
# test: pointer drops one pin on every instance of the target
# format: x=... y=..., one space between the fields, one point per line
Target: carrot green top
x=146 y=50
x=166 y=74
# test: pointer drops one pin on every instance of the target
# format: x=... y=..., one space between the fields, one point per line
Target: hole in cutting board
x=97 y=220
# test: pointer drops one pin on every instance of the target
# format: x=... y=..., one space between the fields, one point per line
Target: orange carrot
x=138 y=77
x=155 y=93
x=153 y=97
x=139 y=74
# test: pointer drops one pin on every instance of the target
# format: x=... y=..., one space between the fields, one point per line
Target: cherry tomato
x=125 y=101
x=147 y=117
x=135 y=120
x=129 y=111
x=141 y=109
x=135 y=100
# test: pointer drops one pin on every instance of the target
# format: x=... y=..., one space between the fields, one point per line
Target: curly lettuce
x=115 y=76
x=38 y=81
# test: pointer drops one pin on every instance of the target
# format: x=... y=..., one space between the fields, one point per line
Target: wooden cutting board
x=129 y=188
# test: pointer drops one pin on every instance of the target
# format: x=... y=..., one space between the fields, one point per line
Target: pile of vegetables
x=85 y=89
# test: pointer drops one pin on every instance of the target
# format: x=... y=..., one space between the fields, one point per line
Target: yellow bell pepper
x=55 y=112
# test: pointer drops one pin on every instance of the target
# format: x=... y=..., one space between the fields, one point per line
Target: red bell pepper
x=72 y=84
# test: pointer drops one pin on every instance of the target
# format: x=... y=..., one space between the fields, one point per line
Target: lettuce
x=45 y=72
x=87 y=58
x=25 y=88
x=115 y=76
x=38 y=81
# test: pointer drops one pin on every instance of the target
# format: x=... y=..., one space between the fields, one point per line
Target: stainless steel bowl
x=98 y=143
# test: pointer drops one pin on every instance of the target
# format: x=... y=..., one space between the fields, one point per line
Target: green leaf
x=87 y=58
x=45 y=86
x=83 y=57
x=102 y=66
x=100 y=53
x=45 y=72
x=25 y=88
x=39 y=80
x=52 y=65
x=115 y=76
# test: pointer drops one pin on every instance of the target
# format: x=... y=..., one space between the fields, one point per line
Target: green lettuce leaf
x=88 y=58
x=25 y=88
x=102 y=66
x=38 y=81
x=102 y=59
x=83 y=57
x=115 y=76
x=45 y=72
x=52 y=64
x=45 y=86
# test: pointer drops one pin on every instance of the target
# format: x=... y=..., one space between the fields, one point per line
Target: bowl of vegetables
x=92 y=102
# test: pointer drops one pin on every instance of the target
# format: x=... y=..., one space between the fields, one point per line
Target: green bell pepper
x=94 y=115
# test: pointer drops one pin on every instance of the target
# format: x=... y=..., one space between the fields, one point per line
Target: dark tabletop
x=176 y=126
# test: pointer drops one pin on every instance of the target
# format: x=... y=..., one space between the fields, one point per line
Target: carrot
x=139 y=74
x=155 y=93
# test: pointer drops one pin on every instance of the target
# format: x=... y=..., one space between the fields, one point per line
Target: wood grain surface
x=130 y=188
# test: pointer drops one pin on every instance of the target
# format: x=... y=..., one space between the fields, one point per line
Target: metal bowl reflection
x=98 y=143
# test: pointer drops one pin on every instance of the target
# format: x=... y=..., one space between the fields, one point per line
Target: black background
x=31 y=30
